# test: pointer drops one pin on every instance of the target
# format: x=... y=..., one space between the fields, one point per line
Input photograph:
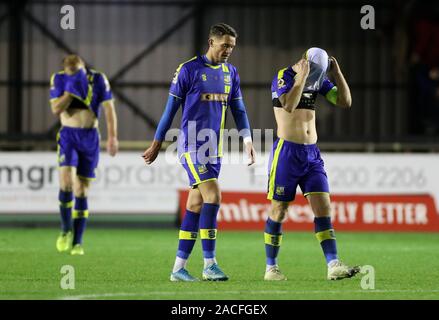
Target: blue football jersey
x=206 y=91
x=89 y=88
x=284 y=81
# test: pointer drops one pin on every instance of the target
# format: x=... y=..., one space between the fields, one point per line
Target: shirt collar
x=206 y=60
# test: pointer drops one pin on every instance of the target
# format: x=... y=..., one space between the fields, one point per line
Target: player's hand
x=251 y=153
x=302 y=68
x=335 y=68
x=112 y=146
x=152 y=152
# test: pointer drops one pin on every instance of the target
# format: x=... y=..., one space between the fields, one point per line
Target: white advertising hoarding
x=124 y=184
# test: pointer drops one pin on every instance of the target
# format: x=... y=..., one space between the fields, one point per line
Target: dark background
x=393 y=70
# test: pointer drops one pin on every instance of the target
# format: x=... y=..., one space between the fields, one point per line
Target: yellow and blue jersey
x=89 y=88
x=205 y=91
x=284 y=81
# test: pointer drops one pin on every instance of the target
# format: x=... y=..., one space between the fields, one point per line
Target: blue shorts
x=197 y=172
x=79 y=148
x=293 y=164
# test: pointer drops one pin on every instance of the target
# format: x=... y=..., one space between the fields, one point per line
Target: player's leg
x=87 y=145
x=321 y=207
x=211 y=195
x=273 y=239
x=187 y=236
x=204 y=178
x=320 y=204
x=282 y=184
x=67 y=161
x=65 y=197
x=81 y=186
x=210 y=191
x=315 y=188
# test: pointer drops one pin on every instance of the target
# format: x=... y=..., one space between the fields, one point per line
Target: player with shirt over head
x=295 y=158
x=76 y=96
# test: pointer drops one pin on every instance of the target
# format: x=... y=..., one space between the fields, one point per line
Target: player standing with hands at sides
x=295 y=158
x=205 y=86
x=76 y=94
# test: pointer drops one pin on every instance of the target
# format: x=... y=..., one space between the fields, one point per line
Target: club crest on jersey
x=202 y=168
x=204 y=77
x=280 y=83
x=227 y=79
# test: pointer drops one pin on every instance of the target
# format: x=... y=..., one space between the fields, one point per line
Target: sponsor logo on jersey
x=214 y=97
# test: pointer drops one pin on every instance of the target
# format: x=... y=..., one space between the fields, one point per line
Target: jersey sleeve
x=240 y=115
x=104 y=88
x=180 y=82
x=166 y=120
x=282 y=83
x=236 y=86
x=56 y=86
x=329 y=91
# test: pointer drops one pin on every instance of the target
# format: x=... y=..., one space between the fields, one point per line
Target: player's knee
x=81 y=189
x=80 y=192
x=66 y=182
x=278 y=213
x=213 y=197
x=323 y=210
x=66 y=188
x=194 y=205
x=66 y=185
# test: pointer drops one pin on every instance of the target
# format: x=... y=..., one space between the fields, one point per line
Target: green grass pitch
x=135 y=264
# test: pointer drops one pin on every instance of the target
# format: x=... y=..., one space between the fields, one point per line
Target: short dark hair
x=221 y=29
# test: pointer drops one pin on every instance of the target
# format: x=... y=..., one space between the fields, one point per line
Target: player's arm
x=59 y=99
x=59 y=105
x=177 y=93
x=240 y=115
x=291 y=99
x=341 y=94
x=106 y=98
x=168 y=115
x=111 y=119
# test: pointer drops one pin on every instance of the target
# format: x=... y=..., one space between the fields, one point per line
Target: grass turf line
x=135 y=264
